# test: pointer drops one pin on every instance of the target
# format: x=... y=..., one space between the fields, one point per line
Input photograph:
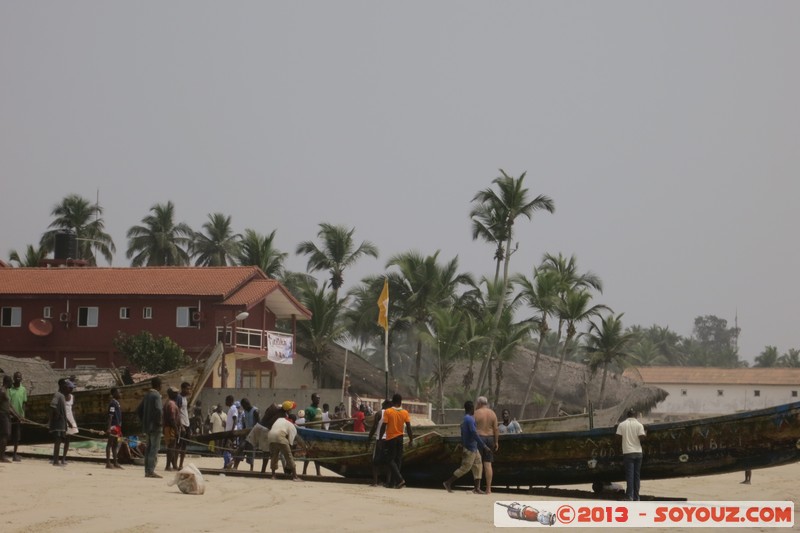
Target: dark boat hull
x=748 y=440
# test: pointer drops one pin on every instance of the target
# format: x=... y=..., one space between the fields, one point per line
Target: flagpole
x=386 y=361
x=344 y=372
x=383 y=321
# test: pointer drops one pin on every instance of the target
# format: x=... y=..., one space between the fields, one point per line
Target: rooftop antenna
x=736 y=331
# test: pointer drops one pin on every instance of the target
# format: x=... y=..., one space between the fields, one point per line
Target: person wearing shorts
x=114 y=429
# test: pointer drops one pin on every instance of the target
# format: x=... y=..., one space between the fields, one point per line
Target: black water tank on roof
x=66 y=245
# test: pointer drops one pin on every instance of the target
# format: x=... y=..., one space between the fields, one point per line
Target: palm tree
x=768 y=358
x=219 y=246
x=541 y=293
x=421 y=285
x=493 y=217
x=488 y=224
x=314 y=336
x=644 y=352
x=32 y=258
x=790 y=359
x=449 y=336
x=510 y=335
x=573 y=308
x=84 y=219
x=159 y=241
x=259 y=250
x=337 y=253
x=607 y=343
x=569 y=278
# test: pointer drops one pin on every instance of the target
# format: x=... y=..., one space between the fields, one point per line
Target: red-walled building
x=70 y=316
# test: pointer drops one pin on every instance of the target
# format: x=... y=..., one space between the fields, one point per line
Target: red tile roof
x=279 y=300
x=235 y=285
x=687 y=375
x=145 y=281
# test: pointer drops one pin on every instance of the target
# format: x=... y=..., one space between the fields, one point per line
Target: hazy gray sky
x=668 y=134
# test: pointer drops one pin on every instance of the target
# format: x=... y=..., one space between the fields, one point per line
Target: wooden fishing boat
x=642 y=400
x=350 y=454
x=706 y=446
x=91 y=406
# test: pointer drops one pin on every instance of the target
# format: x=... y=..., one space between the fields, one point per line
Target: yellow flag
x=383 y=306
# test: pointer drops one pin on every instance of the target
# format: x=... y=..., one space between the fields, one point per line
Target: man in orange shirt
x=395 y=417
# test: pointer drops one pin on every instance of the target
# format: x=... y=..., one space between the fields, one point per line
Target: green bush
x=154 y=355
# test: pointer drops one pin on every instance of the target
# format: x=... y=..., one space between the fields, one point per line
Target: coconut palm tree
x=573 y=308
x=219 y=246
x=32 y=258
x=607 y=343
x=259 y=250
x=541 y=294
x=494 y=215
x=644 y=352
x=420 y=286
x=84 y=219
x=768 y=358
x=488 y=224
x=569 y=278
x=509 y=336
x=314 y=336
x=790 y=359
x=448 y=335
x=159 y=241
x=338 y=252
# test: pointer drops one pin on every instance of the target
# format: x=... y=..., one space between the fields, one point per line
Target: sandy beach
x=38 y=497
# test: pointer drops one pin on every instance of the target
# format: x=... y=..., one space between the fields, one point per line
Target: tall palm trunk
x=417 y=364
x=570 y=334
x=542 y=332
x=603 y=385
x=499 y=376
x=487 y=363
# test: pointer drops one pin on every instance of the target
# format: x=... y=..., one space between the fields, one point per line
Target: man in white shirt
x=632 y=432
x=281 y=439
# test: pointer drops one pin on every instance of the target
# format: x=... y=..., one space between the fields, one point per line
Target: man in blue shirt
x=470 y=456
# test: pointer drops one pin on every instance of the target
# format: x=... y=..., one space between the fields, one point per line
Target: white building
x=716 y=391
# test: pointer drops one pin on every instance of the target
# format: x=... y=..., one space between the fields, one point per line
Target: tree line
x=438 y=314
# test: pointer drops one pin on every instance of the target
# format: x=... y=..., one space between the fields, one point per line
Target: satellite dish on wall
x=40 y=327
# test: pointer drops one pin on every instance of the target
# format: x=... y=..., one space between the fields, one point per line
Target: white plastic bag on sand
x=189 y=480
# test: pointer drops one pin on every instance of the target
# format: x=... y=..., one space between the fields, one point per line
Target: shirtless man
x=486 y=422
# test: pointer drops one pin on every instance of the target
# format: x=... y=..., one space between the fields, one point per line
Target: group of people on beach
x=275 y=434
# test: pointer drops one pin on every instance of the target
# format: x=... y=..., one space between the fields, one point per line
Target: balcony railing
x=245 y=337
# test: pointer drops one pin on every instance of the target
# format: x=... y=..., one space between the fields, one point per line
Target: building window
x=186 y=317
x=147 y=313
x=11 y=317
x=87 y=317
x=720 y=392
x=47 y=312
x=683 y=392
x=794 y=394
x=125 y=313
x=756 y=393
x=250 y=379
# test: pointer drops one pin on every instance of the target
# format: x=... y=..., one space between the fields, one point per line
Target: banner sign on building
x=280 y=348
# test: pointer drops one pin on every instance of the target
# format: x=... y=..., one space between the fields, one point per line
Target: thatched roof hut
x=576 y=384
x=365 y=379
x=37 y=374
